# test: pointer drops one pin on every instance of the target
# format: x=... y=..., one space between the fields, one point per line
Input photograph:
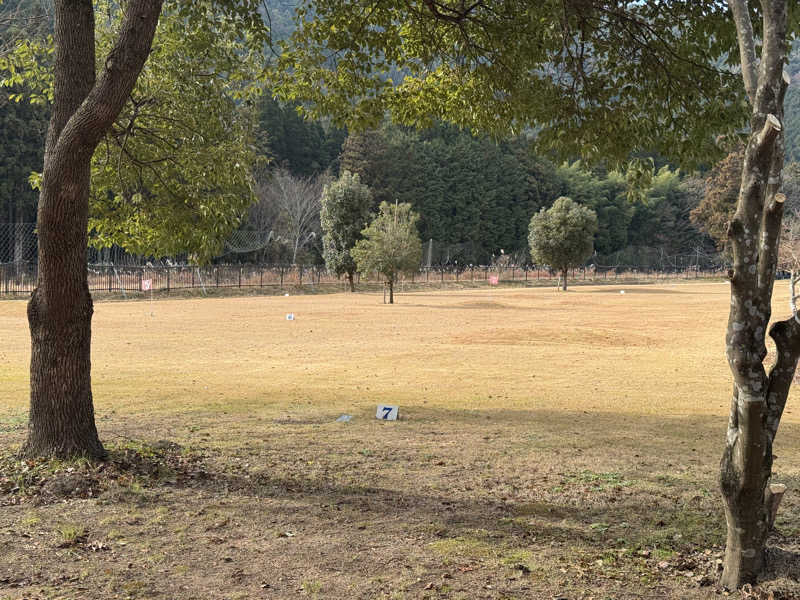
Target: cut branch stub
x=772 y=127
x=774 y=495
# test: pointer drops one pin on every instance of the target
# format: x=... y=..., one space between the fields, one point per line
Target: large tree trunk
x=391 y=291
x=350 y=280
x=564 y=280
x=758 y=398
x=61 y=421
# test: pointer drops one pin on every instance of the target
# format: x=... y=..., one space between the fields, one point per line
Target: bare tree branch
x=293 y=204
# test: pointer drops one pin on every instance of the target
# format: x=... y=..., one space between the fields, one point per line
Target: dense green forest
x=475 y=196
x=22 y=125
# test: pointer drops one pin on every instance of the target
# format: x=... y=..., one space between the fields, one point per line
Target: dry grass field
x=551 y=445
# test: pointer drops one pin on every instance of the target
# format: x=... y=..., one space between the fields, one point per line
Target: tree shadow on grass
x=642 y=527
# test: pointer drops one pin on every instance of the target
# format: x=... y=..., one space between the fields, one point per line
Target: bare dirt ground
x=551 y=445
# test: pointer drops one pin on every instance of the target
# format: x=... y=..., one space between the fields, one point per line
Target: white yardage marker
x=387 y=413
x=290 y=317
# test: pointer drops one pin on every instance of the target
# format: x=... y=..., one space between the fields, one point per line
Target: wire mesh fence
x=20 y=278
x=18 y=242
x=113 y=270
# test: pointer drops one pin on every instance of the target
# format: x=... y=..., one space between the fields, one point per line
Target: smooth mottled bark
x=758 y=398
x=61 y=421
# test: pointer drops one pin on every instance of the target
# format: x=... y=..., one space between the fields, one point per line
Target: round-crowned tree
x=562 y=236
x=390 y=244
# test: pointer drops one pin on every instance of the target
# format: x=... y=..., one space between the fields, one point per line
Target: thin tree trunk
x=350 y=280
x=61 y=421
x=391 y=291
x=758 y=399
x=564 y=280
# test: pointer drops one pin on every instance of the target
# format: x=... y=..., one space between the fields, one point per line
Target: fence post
x=167 y=280
x=300 y=276
x=261 y=277
x=240 y=277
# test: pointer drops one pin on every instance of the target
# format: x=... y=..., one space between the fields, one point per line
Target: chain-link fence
x=115 y=271
x=20 y=278
x=18 y=243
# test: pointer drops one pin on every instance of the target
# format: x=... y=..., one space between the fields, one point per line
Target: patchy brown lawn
x=551 y=446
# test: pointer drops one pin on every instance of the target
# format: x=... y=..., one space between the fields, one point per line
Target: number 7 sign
x=387 y=413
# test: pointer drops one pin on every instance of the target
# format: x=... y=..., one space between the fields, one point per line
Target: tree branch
x=787 y=341
x=773 y=53
x=772 y=211
x=89 y=123
x=747 y=47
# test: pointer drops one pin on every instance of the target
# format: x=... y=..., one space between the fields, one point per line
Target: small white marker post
x=147 y=284
x=387 y=413
x=290 y=317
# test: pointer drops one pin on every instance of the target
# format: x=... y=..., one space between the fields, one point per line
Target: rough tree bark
x=758 y=397
x=61 y=421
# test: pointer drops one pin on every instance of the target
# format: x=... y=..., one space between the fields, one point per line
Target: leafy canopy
x=594 y=78
x=173 y=175
x=562 y=236
x=391 y=244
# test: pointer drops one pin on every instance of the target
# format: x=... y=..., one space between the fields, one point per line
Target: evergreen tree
x=345 y=210
x=604 y=193
x=562 y=236
x=366 y=153
x=21 y=153
x=304 y=147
